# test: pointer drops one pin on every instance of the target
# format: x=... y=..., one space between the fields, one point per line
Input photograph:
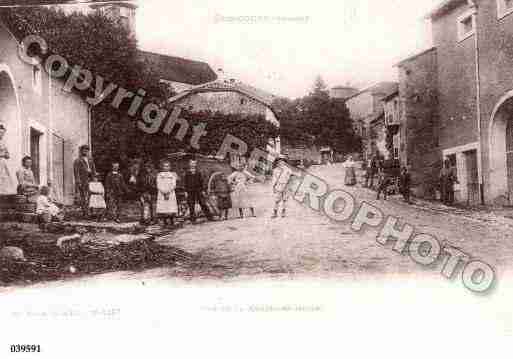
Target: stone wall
x=419 y=128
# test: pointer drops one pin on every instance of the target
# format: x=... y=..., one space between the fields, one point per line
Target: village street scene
x=108 y=192
x=138 y=151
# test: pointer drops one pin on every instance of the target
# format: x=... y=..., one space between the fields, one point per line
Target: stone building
x=393 y=111
x=343 y=92
x=367 y=114
x=229 y=96
x=418 y=121
x=474 y=55
x=42 y=120
x=179 y=73
x=124 y=11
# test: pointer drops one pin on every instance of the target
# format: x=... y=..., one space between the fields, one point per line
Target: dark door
x=35 y=139
x=472 y=177
x=509 y=157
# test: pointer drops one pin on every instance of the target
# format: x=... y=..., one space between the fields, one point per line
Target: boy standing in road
x=195 y=194
x=115 y=188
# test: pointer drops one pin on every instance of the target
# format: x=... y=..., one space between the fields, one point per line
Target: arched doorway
x=509 y=156
x=10 y=118
x=501 y=150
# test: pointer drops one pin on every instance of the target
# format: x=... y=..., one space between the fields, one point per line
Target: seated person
x=46 y=209
x=26 y=181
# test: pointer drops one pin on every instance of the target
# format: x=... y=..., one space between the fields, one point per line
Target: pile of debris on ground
x=29 y=255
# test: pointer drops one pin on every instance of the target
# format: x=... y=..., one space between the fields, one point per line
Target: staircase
x=17 y=208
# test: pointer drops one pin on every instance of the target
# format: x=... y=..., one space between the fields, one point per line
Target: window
x=466 y=25
x=36 y=79
x=125 y=15
x=504 y=7
x=124 y=12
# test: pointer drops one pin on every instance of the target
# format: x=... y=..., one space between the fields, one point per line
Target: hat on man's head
x=84 y=147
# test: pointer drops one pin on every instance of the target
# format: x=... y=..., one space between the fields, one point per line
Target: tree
x=317 y=119
x=320 y=87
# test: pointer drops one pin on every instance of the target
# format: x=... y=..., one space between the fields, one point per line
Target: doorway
x=35 y=153
x=509 y=157
x=472 y=177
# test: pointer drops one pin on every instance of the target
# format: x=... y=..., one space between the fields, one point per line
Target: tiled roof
x=385 y=87
x=414 y=56
x=443 y=7
x=178 y=69
x=228 y=85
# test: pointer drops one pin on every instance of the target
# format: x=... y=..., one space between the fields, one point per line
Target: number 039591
x=25 y=348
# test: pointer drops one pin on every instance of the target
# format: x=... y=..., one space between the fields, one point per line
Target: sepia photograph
x=262 y=179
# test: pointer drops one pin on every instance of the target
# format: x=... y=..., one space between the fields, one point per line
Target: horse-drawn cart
x=208 y=166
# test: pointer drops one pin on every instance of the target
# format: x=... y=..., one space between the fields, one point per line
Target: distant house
x=343 y=92
x=392 y=121
x=42 y=120
x=366 y=110
x=229 y=96
x=181 y=74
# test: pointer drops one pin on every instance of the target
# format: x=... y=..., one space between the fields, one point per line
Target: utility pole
x=474 y=9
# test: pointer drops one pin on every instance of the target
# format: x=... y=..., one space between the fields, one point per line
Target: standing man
x=193 y=183
x=372 y=166
x=84 y=170
x=405 y=183
x=452 y=179
x=383 y=183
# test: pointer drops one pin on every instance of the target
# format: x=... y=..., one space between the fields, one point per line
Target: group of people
x=447 y=180
x=376 y=166
x=387 y=173
x=27 y=185
x=156 y=191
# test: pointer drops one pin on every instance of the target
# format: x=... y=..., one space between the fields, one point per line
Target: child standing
x=240 y=195
x=222 y=190
x=167 y=206
x=147 y=189
x=115 y=188
x=383 y=183
x=97 y=205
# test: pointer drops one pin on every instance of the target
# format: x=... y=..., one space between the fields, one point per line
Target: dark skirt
x=224 y=202
x=350 y=178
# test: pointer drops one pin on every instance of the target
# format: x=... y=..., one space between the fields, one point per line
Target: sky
x=353 y=42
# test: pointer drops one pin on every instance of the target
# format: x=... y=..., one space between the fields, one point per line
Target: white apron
x=97 y=200
x=166 y=183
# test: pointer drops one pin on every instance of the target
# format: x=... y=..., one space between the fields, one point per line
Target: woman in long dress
x=26 y=181
x=240 y=194
x=167 y=207
x=6 y=181
x=350 y=177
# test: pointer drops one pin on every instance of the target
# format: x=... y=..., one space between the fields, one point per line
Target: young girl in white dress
x=167 y=207
x=240 y=195
x=97 y=205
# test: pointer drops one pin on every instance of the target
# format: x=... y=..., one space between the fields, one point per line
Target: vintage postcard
x=271 y=179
